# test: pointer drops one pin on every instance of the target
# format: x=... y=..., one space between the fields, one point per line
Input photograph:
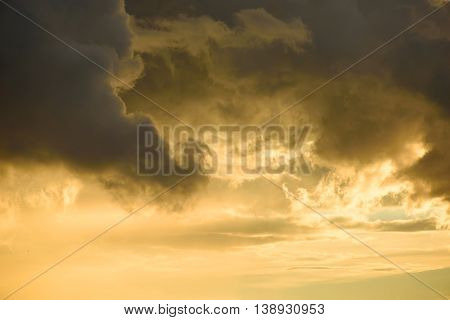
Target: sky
x=75 y=90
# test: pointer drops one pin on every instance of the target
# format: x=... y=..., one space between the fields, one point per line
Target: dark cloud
x=422 y=65
x=227 y=61
x=217 y=9
x=375 y=112
x=56 y=104
x=362 y=120
x=58 y=107
x=432 y=171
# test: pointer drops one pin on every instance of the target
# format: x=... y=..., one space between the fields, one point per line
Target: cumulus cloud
x=58 y=107
x=393 y=106
x=233 y=62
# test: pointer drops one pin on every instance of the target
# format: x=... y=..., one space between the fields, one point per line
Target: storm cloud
x=200 y=60
x=228 y=62
x=57 y=107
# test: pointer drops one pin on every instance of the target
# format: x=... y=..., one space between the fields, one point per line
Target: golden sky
x=378 y=149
